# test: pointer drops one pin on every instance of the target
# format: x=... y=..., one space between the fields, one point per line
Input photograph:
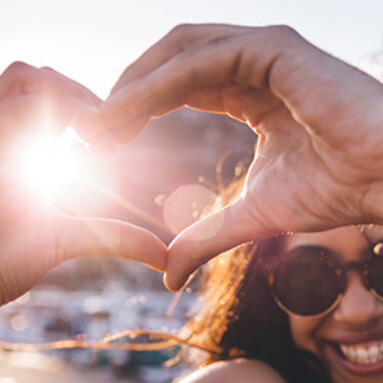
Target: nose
x=358 y=305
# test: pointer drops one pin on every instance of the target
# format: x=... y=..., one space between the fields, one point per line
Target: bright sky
x=92 y=41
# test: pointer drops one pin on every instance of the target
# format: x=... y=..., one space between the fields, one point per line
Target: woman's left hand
x=318 y=163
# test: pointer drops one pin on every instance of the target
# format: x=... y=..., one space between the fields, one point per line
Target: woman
x=313 y=113
x=297 y=308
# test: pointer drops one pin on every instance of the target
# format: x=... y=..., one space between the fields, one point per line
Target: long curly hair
x=239 y=317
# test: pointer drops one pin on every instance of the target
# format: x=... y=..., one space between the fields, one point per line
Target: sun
x=51 y=163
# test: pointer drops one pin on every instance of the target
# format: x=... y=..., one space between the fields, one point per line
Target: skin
x=358 y=312
x=239 y=370
x=35 y=237
x=313 y=113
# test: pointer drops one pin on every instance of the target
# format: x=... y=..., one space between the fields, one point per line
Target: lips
x=356 y=352
x=364 y=354
x=362 y=358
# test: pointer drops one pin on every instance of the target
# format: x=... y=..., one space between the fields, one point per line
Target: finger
x=77 y=90
x=163 y=90
x=206 y=239
x=103 y=237
x=44 y=115
x=97 y=134
x=141 y=97
x=21 y=78
x=177 y=40
x=191 y=78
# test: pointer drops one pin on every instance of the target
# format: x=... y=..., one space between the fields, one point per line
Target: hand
x=34 y=237
x=319 y=158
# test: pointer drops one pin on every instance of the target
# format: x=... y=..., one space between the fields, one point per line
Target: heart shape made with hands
x=312 y=112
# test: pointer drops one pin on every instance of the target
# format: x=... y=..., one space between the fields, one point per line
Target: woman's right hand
x=319 y=159
x=34 y=236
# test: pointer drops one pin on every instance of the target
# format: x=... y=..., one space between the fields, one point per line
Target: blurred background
x=163 y=180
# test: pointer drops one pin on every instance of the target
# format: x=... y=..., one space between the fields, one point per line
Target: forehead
x=348 y=242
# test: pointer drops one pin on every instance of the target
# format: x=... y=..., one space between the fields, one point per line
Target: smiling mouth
x=362 y=354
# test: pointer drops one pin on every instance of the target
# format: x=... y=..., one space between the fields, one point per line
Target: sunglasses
x=310 y=281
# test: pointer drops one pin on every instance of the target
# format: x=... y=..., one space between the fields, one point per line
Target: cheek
x=304 y=333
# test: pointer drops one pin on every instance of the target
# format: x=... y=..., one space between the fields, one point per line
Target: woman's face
x=349 y=340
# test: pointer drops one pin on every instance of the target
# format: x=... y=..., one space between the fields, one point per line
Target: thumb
x=79 y=237
x=206 y=239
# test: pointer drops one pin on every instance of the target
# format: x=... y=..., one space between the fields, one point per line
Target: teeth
x=363 y=354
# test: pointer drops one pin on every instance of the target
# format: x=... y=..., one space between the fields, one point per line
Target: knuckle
x=17 y=76
x=286 y=29
x=48 y=68
x=277 y=32
x=181 y=30
x=17 y=68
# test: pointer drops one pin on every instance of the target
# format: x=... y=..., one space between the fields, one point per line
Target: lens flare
x=51 y=164
x=58 y=171
x=187 y=205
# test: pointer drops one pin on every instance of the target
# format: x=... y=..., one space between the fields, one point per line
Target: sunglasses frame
x=270 y=271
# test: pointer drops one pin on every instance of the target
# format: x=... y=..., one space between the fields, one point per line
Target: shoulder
x=233 y=371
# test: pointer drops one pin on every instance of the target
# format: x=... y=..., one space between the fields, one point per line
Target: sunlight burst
x=51 y=164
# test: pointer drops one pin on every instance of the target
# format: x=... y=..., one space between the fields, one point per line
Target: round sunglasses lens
x=307 y=284
x=375 y=273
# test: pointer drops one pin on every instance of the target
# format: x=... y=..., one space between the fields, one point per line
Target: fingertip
x=203 y=241
x=166 y=283
x=173 y=285
x=159 y=262
x=82 y=237
x=92 y=128
x=143 y=246
x=124 y=115
x=187 y=252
